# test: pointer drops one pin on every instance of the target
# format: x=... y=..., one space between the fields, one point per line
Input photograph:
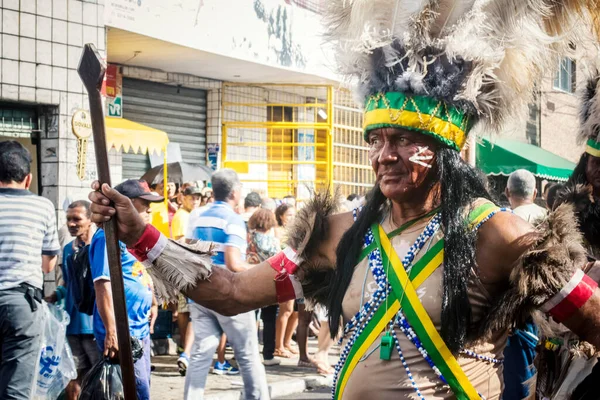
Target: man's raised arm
x=176 y=267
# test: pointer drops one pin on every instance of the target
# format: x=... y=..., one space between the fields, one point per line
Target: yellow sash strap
x=433 y=259
x=417 y=315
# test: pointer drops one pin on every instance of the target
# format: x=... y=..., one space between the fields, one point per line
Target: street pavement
x=286 y=379
x=311 y=394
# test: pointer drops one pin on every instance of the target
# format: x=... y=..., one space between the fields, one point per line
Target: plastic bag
x=103 y=382
x=56 y=366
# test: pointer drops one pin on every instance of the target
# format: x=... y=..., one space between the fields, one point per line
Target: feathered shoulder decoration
x=469 y=59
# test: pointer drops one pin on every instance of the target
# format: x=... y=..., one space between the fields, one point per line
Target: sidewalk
x=284 y=379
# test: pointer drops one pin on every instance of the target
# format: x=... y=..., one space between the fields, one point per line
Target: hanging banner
x=112 y=89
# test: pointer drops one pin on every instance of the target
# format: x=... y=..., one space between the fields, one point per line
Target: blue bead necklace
x=362 y=318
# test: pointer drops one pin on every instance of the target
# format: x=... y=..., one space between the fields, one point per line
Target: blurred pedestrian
x=190 y=201
x=284 y=214
x=191 y=198
x=221 y=225
x=252 y=202
x=139 y=296
x=547 y=187
x=181 y=190
x=552 y=194
x=28 y=248
x=162 y=214
x=80 y=331
x=269 y=204
x=289 y=200
x=287 y=320
x=261 y=246
x=325 y=342
x=521 y=193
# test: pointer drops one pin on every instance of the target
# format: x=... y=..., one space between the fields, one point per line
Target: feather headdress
x=590 y=115
x=451 y=62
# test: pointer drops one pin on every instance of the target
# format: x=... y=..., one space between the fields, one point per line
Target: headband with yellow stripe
x=422 y=114
x=593 y=148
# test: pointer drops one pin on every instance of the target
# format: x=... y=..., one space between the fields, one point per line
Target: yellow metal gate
x=286 y=139
x=352 y=169
x=278 y=137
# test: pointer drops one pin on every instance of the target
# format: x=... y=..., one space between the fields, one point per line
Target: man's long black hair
x=461 y=184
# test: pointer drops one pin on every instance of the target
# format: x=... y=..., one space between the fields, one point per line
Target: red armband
x=150 y=245
x=286 y=284
x=571 y=297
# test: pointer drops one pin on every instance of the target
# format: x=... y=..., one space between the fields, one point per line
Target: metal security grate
x=17 y=122
x=179 y=111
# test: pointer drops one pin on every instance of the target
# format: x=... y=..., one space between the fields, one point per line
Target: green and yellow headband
x=422 y=114
x=593 y=148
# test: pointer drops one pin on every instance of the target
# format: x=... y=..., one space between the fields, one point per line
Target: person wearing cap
x=190 y=201
x=138 y=289
x=161 y=215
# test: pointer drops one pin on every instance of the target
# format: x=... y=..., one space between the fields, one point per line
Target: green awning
x=504 y=156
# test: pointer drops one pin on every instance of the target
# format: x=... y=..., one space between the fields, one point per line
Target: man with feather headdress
x=565 y=361
x=429 y=275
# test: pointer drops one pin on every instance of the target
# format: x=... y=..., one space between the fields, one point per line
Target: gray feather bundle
x=590 y=109
x=481 y=56
x=179 y=267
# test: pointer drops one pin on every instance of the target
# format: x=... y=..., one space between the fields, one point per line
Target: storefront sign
x=112 y=89
x=82 y=124
x=213 y=156
x=110 y=81
x=115 y=107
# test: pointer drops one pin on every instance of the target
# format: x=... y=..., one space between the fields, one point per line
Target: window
x=565 y=76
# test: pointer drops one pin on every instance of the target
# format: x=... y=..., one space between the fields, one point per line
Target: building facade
x=246 y=84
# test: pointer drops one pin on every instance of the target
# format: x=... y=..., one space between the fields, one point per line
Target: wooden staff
x=91 y=71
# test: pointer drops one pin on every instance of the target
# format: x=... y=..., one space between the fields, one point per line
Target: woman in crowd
x=261 y=246
x=287 y=320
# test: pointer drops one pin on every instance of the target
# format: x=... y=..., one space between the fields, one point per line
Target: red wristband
x=571 y=297
x=150 y=245
x=286 y=284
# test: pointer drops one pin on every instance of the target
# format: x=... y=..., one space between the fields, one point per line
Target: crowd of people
x=245 y=231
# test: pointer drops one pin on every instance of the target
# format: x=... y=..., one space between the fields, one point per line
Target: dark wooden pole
x=91 y=70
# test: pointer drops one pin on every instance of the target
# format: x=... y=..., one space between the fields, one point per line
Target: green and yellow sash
x=404 y=296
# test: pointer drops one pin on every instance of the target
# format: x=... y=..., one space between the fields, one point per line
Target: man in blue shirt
x=80 y=332
x=138 y=290
x=221 y=225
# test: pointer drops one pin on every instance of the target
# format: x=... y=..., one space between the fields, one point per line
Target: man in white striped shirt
x=28 y=247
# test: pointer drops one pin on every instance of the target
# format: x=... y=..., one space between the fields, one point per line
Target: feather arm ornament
x=481 y=56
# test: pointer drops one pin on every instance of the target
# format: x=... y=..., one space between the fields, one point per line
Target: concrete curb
x=284 y=387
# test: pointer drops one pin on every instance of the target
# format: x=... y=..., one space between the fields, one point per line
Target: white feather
x=510 y=43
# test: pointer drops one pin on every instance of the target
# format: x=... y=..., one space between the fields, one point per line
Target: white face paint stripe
x=419 y=159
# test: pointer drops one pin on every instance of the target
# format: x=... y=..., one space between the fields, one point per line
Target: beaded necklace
x=361 y=319
x=364 y=315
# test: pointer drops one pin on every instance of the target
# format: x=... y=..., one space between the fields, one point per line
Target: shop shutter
x=179 y=111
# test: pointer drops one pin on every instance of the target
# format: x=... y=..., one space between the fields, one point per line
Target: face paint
x=420 y=159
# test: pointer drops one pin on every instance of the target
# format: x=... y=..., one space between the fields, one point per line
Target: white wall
x=269 y=32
